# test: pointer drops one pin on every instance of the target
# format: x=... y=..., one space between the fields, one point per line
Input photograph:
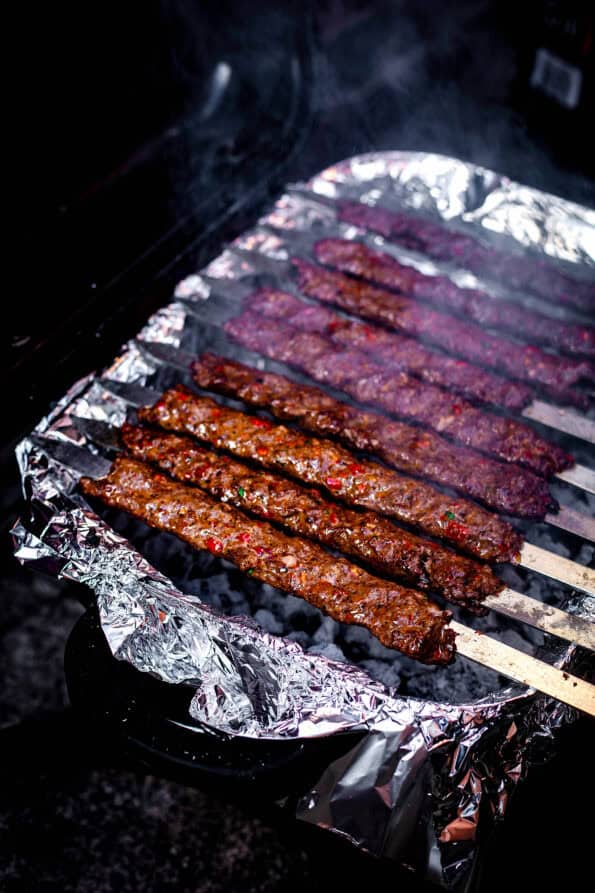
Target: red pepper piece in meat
x=312 y=460
x=363 y=535
x=505 y=487
x=400 y=618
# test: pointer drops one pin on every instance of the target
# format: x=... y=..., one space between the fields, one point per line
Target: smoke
x=438 y=77
x=278 y=91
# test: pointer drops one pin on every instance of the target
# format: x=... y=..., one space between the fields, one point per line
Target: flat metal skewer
x=537 y=614
x=476 y=646
x=579 y=476
x=561 y=419
x=573 y=522
x=534 y=558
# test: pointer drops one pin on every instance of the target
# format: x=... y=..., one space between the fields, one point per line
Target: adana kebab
x=530 y=274
x=400 y=618
x=302 y=510
x=399 y=351
x=476 y=304
x=462 y=338
x=364 y=535
x=531 y=557
x=398 y=393
x=325 y=464
x=257 y=263
x=505 y=487
x=270 y=500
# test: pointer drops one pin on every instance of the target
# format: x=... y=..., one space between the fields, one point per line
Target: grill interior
x=121 y=245
x=230 y=592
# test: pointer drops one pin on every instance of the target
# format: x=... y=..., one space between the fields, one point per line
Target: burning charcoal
x=215 y=600
x=465 y=684
x=302 y=619
x=298 y=613
x=266 y=596
x=555 y=544
x=238 y=600
x=357 y=635
x=378 y=651
x=362 y=646
x=515 y=640
x=585 y=554
x=534 y=636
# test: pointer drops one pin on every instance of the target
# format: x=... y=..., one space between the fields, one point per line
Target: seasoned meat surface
x=505 y=487
x=531 y=274
x=325 y=464
x=370 y=299
x=364 y=535
x=400 y=618
x=394 y=350
x=369 y=382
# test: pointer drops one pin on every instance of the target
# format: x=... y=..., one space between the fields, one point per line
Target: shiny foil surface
x=422 y=777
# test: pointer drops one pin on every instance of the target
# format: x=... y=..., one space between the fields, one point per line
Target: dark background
x=147 y=134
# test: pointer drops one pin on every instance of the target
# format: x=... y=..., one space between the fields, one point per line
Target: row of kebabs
x=318 y=490
x=529 y=274
x=400 y=618
x=376 y=286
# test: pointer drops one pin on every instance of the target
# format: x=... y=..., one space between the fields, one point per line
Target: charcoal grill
x=160 y=740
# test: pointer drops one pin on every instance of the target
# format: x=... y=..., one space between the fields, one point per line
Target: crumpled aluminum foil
x=422 y=777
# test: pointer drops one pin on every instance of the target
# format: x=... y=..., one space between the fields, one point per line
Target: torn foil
x=422 y=777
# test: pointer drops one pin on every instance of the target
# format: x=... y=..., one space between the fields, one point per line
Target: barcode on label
x=557 y=78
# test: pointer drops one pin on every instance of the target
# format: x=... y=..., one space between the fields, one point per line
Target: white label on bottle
x=557 y=78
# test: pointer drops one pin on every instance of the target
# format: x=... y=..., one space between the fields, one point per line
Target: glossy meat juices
x=398 y=393
x=400 y=618
x=302 y=510
x=505 y=487
x=324 y=464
